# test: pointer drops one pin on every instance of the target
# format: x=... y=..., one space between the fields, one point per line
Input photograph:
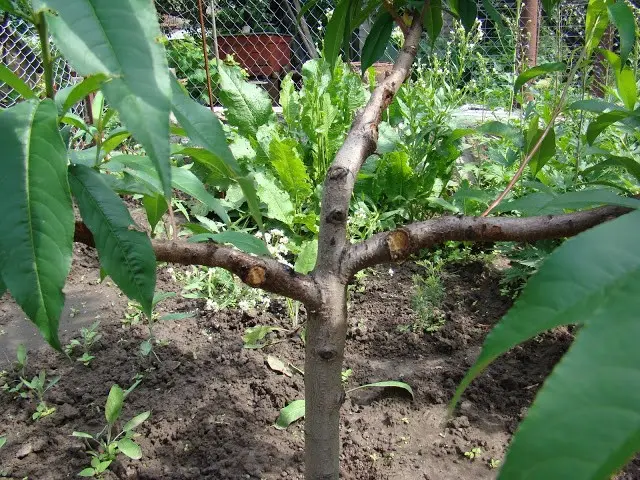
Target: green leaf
x=591 y=395
x=594 y=105
x=170 y=317
x=279 y=205
x=289 y=414
x=241 y=240
x=335 y=32
x=3 y=440
x=500 y=129
x=69 y=96
x=433 y=20
x=113 y=407
x=377 y=40
x=114 y=140
x=545 y=204
x=14 y=81
x=37 y=222
x=388 y=383
x=125 y=252
x=306 y=260
x=136 y=421
x=87 y=472
x=187 y=182
x=597 y=126
x=290 y=168
x=466 y=11
x=202 y=126
x=626 y=86
x=254 y=335
x=246 y=105
x=536 y=72
x=622 y=17
x=119 y=39
x=130 y=448
x=545 y=152
x=629 y=164
x=81 y=435
x=596 y=23
x=155 y=207
x=21 y=354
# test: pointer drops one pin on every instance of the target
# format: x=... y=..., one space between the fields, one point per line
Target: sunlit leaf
x=113 y=407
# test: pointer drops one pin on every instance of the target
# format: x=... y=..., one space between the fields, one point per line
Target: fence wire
x=267 y=40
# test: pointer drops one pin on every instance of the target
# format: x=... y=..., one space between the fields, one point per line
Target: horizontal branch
x=258 y=272
x=403 y=242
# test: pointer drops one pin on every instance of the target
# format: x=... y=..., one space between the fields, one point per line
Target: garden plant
x=303 y=173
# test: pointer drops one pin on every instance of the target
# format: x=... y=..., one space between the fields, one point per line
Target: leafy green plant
x=473 y=454
x=427 y=299
x=36 y=389
x=88 y=338
x=105 y=446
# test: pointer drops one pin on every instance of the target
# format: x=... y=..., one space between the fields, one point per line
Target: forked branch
x=401 y=243
x=259 y=272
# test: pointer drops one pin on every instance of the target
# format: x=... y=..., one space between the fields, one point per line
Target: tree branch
x=258 y=272
x=403 y=242
x=361 y=142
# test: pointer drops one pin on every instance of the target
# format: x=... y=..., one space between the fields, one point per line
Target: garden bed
x=214 y=402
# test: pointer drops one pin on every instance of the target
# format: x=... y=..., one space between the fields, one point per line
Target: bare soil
x=214 y=402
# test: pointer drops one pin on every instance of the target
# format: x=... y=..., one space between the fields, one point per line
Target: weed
x=474 y=453
x=88 y=338
x=524 y=261
x=427 y=299
x=494 y=463
x=104 y=447
x=345 y=375
x=37 y=387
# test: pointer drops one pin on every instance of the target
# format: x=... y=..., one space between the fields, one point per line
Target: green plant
x=88 y=338
x=494 y=463
x=37 y=387
x=427 y=299
x=41 y=177
x=474 y=453
x=105 y=446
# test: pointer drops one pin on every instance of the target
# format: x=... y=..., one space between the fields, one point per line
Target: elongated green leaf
x=594 y=105
x=187 y=182
x=622 y=17
x=501 y=129
x=246 y=106
x=69 y=96
x=546 y=151
x=113 y=407
x=81 y=435
x=597 y=126
x=626 y=86
x=433 y=20
x=290 y=168
x=466 y=11
x=125 y=252
x=536 y=72
x=202 y=126
x=14 y=81
x=155 y=206
x=377 y=40
x=336 y=32
x=629 y=164
x=289 y=414
x=114 y=140
x=542 y=203
x=130 y=448
x=119 y=38
x=592 y=395
x=248 y=186
x=136 y=421
x=387 y=383
x=87 y=472
x=596 y=23
x=306 y=260
x=37 y=223
x=241 y=240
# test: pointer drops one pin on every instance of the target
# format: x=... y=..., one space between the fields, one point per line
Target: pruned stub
x=398 y=242
x=255 y=276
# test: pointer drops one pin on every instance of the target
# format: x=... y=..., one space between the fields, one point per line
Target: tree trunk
x=324 y=394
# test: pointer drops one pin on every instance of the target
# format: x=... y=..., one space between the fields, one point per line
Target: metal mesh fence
x=267 y=40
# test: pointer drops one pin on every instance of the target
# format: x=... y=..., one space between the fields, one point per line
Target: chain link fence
x=269 y=38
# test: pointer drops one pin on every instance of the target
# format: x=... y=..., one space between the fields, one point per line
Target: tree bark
x=529 y=24
x=323 y=391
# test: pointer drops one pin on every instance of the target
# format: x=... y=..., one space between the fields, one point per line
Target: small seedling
x=474 y=453
x=37 y=387
x=21 y=357
x=135 y=314
x=494 y=463
x=345 y=375
x=88 y=338
x=104 y=447
x=427 y=299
